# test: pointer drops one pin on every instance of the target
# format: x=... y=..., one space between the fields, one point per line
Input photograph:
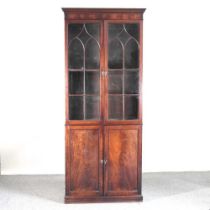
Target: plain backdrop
x=176 y=84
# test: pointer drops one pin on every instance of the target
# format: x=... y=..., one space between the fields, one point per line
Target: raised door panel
x=123 y=162
x=84 y=168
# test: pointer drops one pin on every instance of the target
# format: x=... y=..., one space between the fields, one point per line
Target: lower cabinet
x=103 y=163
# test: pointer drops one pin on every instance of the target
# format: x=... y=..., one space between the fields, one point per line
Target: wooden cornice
x=103 y=14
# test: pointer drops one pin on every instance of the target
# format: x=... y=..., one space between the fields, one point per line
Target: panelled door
x=84 y=169
x=103 y=108
x=122 y=153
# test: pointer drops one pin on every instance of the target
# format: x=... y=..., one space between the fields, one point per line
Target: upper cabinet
x=104 y=65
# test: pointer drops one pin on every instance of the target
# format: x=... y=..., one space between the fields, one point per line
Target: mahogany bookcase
x=103 y=68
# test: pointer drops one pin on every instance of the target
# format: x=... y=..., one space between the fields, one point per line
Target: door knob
x=104 y=73
x=104 y=162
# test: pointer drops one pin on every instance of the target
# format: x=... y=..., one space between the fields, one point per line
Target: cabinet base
x=74 y=199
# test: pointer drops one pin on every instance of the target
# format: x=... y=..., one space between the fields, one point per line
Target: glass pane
x=92 y=107
x=123 y=46
x=76 y=55
x=131 y=107
x=133 y=30
x=92 y=55
x=115 y=107
x=74 y=30
x=115 y=82
x=76 y=108
x=92 y=82
x=131 y=54
x=93 y=29
x=84 y=38
x=131 y=82
x=114 y=30
x=115 y=59
x=76 y=82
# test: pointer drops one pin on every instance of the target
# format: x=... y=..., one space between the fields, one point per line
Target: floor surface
x=164 y=191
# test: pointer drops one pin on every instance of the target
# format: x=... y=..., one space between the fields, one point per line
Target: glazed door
x=122 y=158
x=85 y=87
x=104 y=72
x=122 y=64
